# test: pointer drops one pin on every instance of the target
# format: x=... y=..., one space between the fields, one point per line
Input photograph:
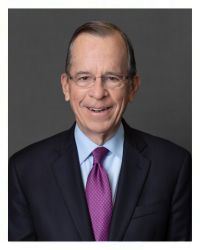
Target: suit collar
x=132 y=177
x=134 y=137
x=67 y=173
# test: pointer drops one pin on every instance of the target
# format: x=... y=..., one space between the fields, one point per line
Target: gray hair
x=102 y=28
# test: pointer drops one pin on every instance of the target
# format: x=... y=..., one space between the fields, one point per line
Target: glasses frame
x=123 y=78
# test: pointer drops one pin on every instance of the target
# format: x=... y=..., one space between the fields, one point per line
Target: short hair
x=102 y=28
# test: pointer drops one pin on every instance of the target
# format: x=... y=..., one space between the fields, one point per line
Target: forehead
x=86 y=40
x=98 y=50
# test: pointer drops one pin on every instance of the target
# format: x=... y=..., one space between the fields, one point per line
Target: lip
x=99 y=111
x=98 y=108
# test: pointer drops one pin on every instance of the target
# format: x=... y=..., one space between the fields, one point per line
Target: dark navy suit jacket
x=153 y=202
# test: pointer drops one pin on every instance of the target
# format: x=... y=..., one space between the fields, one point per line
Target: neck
x=100 y=138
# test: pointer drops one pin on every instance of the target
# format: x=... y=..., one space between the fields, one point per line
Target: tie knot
x=99 y=154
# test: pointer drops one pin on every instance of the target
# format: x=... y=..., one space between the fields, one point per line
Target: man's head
x=102 y=29
x=100 y=78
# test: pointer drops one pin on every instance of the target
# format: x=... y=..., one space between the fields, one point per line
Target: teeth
x=97 y=110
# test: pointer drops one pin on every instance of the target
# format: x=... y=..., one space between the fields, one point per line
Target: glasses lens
x=84 y=80
x=112 y=81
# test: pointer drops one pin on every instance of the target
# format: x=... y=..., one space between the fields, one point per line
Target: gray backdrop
x=38 y=40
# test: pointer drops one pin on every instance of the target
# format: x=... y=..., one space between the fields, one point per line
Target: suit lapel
x=67 y=172
x=131 y=180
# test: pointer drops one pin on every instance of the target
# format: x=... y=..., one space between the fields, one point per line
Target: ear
x=65 y=86
x=134 y=86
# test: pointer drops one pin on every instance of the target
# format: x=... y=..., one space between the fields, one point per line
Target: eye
x=83 y=78
x=113 y=78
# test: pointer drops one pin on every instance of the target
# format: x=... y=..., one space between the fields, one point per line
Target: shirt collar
x=85 y=145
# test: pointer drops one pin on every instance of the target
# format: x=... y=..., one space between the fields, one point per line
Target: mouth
x=99 y=110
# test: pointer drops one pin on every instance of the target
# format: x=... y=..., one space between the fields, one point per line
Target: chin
x=101 y=128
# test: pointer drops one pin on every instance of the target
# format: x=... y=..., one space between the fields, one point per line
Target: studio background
x=38 y=40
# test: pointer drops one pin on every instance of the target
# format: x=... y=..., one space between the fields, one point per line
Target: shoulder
x=153 y=145
x=46 y=148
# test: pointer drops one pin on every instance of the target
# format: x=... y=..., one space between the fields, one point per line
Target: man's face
x=98 y=56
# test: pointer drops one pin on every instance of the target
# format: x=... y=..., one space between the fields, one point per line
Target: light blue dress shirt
x=112 y=162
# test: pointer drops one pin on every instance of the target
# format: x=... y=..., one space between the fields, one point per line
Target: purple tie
x=99 y=196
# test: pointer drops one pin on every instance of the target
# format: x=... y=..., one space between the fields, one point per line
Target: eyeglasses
x=110 y=81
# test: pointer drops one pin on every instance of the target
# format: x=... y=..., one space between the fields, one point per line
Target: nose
x=98 y=91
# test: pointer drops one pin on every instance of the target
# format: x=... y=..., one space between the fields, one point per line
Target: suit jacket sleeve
x=20 y=223
x=180 y=227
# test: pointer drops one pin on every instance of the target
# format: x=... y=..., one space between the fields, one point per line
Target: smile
x=99 y=110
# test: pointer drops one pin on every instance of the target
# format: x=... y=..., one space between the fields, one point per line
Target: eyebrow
x=82 y=72
x=113 y=73
x=106 y=73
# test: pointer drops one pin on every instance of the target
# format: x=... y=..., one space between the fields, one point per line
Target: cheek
x=76 y=99
x=121 y=99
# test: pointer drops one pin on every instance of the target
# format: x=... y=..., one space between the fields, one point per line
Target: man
x=100 y=180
